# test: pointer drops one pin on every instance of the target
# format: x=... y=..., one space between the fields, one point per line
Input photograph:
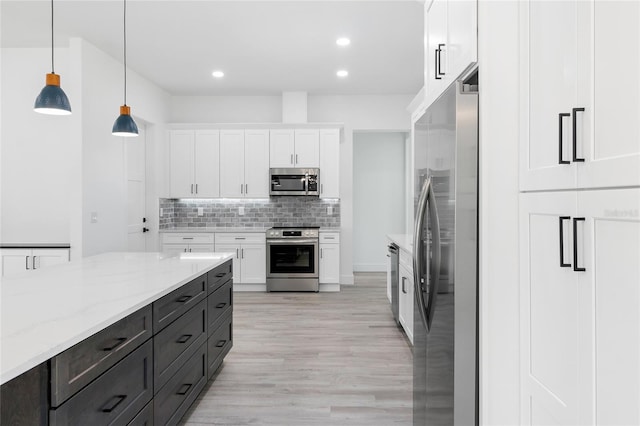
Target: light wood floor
x=312 y=359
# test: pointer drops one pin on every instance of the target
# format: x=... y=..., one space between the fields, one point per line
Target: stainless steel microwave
x=292 y=181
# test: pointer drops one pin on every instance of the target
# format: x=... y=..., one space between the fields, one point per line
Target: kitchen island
x=66 y=327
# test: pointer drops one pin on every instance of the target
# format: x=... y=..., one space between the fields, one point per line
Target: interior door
x=136 y=192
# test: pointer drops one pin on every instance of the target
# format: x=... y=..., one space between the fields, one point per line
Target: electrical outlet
x=241 y=210
x=161 y=211
x=330 y=210
x=200 y=211
x=94 y=217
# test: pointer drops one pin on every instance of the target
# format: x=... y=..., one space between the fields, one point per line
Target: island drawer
x=76 y=367
x=220 y=301
x=176 y=303
x=220 y=275
x=175 y=398
x=144 y=417
x=220 y=343
x=113 y=398
x=176 y=343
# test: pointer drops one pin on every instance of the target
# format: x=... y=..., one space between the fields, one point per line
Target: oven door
x=292 y=258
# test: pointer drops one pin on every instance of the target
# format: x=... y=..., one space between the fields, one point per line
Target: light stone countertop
x=404 y=241
x=47 y=311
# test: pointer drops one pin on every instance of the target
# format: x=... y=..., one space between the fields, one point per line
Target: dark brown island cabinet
x=146 y=369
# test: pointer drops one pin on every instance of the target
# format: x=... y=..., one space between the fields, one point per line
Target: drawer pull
x=221 y=305
x=184 y=338
x=119 y=341
x=220 y=343
x=187 y=238
x=221 y=274
x=115 y=401
x=184 y=389
x=183 y=299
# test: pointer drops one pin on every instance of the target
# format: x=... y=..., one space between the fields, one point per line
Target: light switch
x=200 y=211
x=241 y=210
x=94 y=217
x=161 y=211
x=330 y=210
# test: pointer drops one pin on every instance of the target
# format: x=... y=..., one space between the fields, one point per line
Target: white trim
x=324 y=288
x=346 y=279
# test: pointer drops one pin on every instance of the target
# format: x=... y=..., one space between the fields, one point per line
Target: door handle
x=192 y=188
x=575 y=136
x=296 y=158
x=246 y=189
x=575 y=244
x=33 y=263
x=184 y=389
x=291 y=158
x=440 y=46
x=435 y=66
x=561 y=117
x=321 y=253
x=196 y=188
x=113 y=403
x=242 y=252
x=26 y=262
x=562 y=264
x=241 y=188
x=404 y=279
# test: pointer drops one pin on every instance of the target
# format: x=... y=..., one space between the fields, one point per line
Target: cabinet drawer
x=76 y=367
x=174 y=304
x=330 y=237
x=187 y=238
x=176 y=343
x=220 y=343
x=241 y=238
x=220 y=275
x=175 y=398
x=113 y=398
x=144 y=417
x=219 y=303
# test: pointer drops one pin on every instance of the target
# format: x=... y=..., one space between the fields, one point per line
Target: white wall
x=226 y=109
x=379 y=176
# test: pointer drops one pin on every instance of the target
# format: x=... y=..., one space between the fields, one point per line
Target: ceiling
x=263 y=47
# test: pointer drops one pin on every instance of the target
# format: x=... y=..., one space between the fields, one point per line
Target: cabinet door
x=232 y=248
x=254 y=264
x=200 y=248
x=552 y=43
x=329 y=263
x=281 y=148
x=47 y=257
x=405 y=301
x=462 y=27
x=329 y=163
x=307 y=148
x=436 y=51
x=613 y=157
x=207 y=163
x=182 y=169
x=256 y=163
x=232 y=164
x=555 y=315
x=610 y=240
x=15 y=261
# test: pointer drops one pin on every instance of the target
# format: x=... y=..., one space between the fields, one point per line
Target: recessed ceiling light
x=217 y=74
x=343 y=41
x=342 y=73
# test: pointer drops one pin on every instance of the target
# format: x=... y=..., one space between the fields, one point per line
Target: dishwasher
x=394 y=256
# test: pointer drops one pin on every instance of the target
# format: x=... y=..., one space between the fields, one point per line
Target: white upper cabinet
x=329 y=163
x=195 y=170
x=580 y=111
x=450 y=43
x=244 y=169
x=294 y=148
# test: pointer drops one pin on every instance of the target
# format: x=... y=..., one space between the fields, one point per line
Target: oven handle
x=289 y=242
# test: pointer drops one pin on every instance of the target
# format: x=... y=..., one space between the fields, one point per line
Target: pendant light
x=52 y=99
x=124 y=125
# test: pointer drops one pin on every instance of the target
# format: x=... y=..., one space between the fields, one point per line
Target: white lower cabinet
x=580 y=307
x=187 y=242
x=329 y=258
x=17 y=261
x=405 y=294
x=250 y=260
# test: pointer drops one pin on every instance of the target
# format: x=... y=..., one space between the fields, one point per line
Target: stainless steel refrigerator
x=445 y=357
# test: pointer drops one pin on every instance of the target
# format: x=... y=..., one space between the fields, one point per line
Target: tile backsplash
x=225 y=213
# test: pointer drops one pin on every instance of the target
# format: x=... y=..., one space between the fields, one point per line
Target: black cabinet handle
x=183 y=299
x=221 y=274
x=403 y=288
x=119 y=341
x=221 y=305
x=184 y=338
x=575 y=244
x=220 y=343
x=435 y=65
x=562 y=264
x=575 y=136
x=184 y=389
x=113 y=403
x=440 y=46
x=561 y=116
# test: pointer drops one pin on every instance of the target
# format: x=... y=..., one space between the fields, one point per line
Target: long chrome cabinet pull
x=192 y=188
x=575 y=244
x=291 y=158
x=562 y=264
x=33 y=262
x=561 y=116
x=196 y=188
x=26 y=262
x=575 y=136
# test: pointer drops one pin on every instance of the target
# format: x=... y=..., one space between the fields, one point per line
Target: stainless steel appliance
x=292 y=181
x=292 y=259
x=394 y=259
x=445 y=259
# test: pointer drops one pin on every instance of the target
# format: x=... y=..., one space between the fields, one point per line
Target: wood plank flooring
x=312 y=359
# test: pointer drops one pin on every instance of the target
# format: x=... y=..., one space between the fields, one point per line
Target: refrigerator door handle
x=427 y=199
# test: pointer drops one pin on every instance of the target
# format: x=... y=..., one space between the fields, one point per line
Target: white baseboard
x=263 y=287
x=370 y=267
x=346 y=279
x=329 y=288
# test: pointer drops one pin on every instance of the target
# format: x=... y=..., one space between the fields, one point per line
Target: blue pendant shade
x=124 y=125
x=52 y=99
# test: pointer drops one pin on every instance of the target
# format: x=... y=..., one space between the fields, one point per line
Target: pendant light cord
x=125 y=51
x=52 y=71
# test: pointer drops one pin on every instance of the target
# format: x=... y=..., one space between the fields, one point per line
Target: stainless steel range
x=292 y=259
